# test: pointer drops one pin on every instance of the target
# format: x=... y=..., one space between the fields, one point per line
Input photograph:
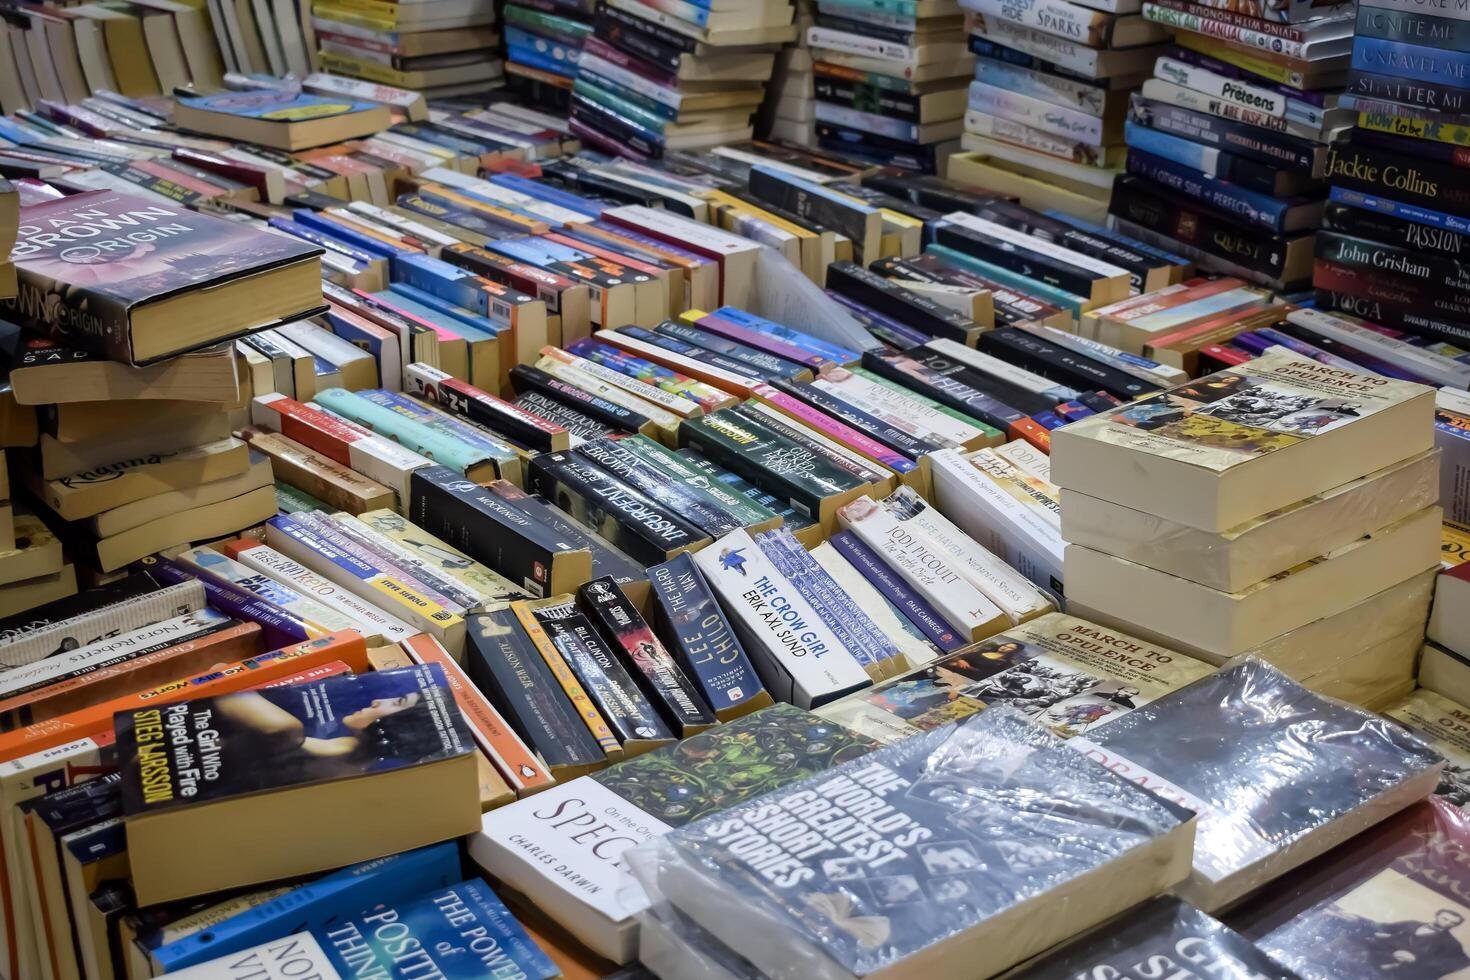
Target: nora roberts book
x=140 y=280
x=209 y=784
x=1237 y=444
x=284 y=120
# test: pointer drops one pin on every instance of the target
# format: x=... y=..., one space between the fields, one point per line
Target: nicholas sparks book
x=208 y=783
x=139 y=280
x=563 y=847
x=965 y=849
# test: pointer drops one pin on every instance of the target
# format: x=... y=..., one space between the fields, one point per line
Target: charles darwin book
x=506 y=667
x=645 y=529
x=944 y=884
x=332 y=748
x=461 y=932
x=482 y=525
x=634 y=722
x=182 y=288
x=812 y=484
x=1068 y=675
x=1163 y=934
x=689 y=619
x=1272 y=431
x=1391 y=898
x=647 y=798
x=1230 y=747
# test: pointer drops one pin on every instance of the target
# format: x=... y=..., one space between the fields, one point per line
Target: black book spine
x=628 y=519
x=578 y=424
x=1008 y=255
x=1395 y=231
x=1426 y=95
x=636 y=41
x=1073 y=239
x=615 y=127
x=852 y=26
x=855 y=467
x=1152 y=207
x=1061 y=365
x=945 y=390
x=585 y=182
x=1401 y=177
x=808 y=207
x=525 y=378
x=655 y=484
x=1021 y=400
x=1408 y=319
x=931 y=192
x=1345 y=351
x=891 y=299
x=503 y=664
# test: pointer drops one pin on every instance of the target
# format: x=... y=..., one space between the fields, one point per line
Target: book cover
x=640 y=800
x=88 y=263
x=976 y=819
x=1066 y=674
x=1445 y=726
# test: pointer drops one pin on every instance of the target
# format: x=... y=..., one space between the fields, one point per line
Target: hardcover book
x=984 y=824
x=139 y=280
x=236 y=765
x=1068 y=675
x=1277 y=773
x=588 y=823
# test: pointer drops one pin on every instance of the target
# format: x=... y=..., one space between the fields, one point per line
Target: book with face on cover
x=230 y=768
x=1242 y=442
x=1066 y=674
x=957 y=853
x=586 y=824
x=139 y=280
x=1390 y=903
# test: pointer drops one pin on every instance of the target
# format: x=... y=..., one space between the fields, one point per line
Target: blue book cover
x=318 y=237
x=1261 y=210
x=323 y=903
x=438 y=278
x=366 y=243
x=540 y=52
x=833 y=352
x=425 y=304
x=1439 y=65
x=545 y=192
x=962 y=825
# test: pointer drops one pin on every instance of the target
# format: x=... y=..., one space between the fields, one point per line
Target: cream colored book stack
x=791 y=90
x=1284 y=507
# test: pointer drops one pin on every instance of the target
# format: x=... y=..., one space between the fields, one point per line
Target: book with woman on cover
x=314 y=756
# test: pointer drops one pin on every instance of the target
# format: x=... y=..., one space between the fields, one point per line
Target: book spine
x=585 y=710
x=735 y=372
x=1248 y=141
x=1069 y=21
x=1143 y=204
x=910 y=604
x=1227 y=88
x=628 y=713
x=893 y=300
x=616 y=359
x=281 y=627
x=1028 y=137
x=1222 y=30
x=1393 y=230
x=1257 y=209
x=368 y=619
x=1017 y=257
x=1099 y=244
x=862 y=45
x=1060 y=52
x=1058 y=363
x=904 y=443
x=1287 y=32
x=1373 y=170
x=1388 y=263
x=655 y=669
x=465 y=399
x=1438 y=97
x=20 y=649
x=703 y=640
x=628 y=519
x=725 y=323
x=868 y=98
x=1047 y=117
x=742 y=511
x=958 y=395
x=326 y=619
x=832 y=428
x=1408 y=319
x=760 y=456
x=526 y=379
x=868 y=122
x=1424 y=64
x=626 y=465
x=1058 y=90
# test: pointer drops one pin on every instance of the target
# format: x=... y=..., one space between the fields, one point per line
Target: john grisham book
x=955 y=853
x=140 y=280
x=260 y=785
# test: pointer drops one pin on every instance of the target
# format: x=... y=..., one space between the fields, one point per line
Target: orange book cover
x=347 y=646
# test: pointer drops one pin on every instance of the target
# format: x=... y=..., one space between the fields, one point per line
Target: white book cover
x=130 y=614
x=369 y=620
x=1070 y=124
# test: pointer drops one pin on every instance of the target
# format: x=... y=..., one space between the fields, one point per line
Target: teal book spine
x=422 y=438
x=1056 y=297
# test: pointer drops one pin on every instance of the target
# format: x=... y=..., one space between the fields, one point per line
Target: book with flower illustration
x=232 y=770
x=138 y=279
x=562 y=847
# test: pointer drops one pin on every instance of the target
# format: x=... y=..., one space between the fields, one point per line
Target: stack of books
x=651 y=81
x=9 y=228
x=1198 y=518
x=889 y=87
x=1235 y=120
x=1052 y=79
x=440 y=47
x=135 y=452
x=789 y=114
x=138 y=50
x=542 y=44
x=1395 y=221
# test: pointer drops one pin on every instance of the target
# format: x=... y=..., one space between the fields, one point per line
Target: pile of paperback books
x=1226 y=142
x=542 y=44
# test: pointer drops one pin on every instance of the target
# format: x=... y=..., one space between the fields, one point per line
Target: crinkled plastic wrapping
x=673 y=946
x=1373 y=676
x=939 y=839
x=1235 y=559
x=1392 y=902
x=1278 y=774
x=781 y=293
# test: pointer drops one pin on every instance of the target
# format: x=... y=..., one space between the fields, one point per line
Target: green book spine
x=747 y=512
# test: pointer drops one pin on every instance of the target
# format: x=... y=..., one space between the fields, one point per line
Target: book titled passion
x=96 y=271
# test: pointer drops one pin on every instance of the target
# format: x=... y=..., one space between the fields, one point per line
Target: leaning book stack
x=1227 y=142
x=542 y=44
x=1045 y=114
x=662 y=76
x=889 y=84
x=1188 y=522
